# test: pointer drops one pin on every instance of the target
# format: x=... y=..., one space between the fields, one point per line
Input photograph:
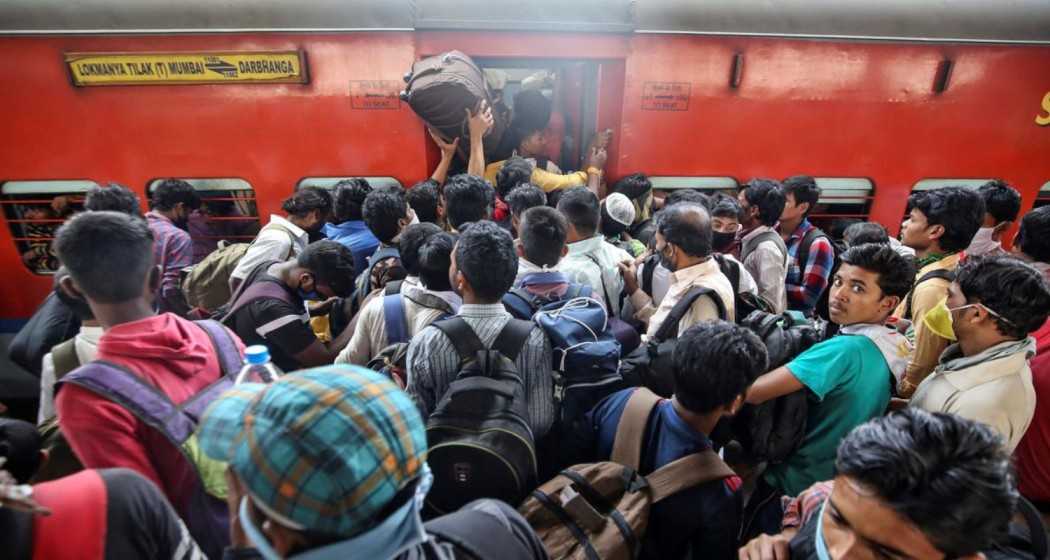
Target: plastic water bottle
x=257 y=366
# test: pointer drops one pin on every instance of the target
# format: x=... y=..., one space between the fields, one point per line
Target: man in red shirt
x=111 y=265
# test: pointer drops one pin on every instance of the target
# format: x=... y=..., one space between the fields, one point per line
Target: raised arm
x=479 y=123
x=448 y=151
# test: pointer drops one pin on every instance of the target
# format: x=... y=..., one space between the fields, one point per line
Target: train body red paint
x=825 y=107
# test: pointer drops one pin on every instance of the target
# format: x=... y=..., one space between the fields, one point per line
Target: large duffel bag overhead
x=442 y=88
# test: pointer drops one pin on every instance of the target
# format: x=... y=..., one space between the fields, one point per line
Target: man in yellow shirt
x=940 y=224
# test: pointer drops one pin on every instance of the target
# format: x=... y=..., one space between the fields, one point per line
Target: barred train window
x=228 y=213
x=842 y=198
x=34 y=210
x=329 y=182
x=706 y=185
x=1043 y=198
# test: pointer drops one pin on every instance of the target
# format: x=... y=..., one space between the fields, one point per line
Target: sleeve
x=535 y=363
x=824 y=366
x=179 y=256
x=47 y=389
x=102 y=433
x=703 y=309
x=420 y=383
x=643 y=304
x=551 y=182
x=269 y=245
x=799 y=510
x=928 y=345
x=359 y=351
x=142 y=524
x=491 y=170
x=814 y=275
x=281 y=325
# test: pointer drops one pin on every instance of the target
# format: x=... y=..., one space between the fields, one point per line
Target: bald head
x=687 y=226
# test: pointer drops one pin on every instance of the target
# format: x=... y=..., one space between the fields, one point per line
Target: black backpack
x=651 y=365
x=773 y=430
x=744 y=303
x=481 y=444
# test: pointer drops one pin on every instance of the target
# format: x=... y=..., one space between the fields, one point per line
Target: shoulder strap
x=669 y=328
x=940 y=274
x=519 y=303
x=258 y=290
x=1036 y=528
x=393 y=287
x=687 y=472
x=225 y=348
x=601 y=278
x=394 y=318
x=647 y=274
x=806 y=243
x=578 y=290
x=65 y=357
x=291 y=237
x=379 y=256
x=731 y=270
x=512 y=338
x=462 y=336
x=630 y=431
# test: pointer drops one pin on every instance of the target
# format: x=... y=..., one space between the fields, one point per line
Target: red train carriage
x=251 y=99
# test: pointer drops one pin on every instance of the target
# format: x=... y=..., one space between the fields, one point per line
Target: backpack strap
x=731 y=270
x=647 y=273
x=230 y=359
x=394 y=318
x=601 y=278
x=630 y=431
x=1036 y=528
x=65 y=358
x=365 y=286
x=940 y=274
x=512 y=338
x=520 y=303
x=770 y=235
x=258 y=290
x=669 y=328
x=393 y=287
x=462 y=336
x=806 y=243
x=687 y=472
x=291 y=237
x=577 y=290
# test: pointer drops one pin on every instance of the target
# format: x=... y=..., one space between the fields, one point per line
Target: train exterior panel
x=683 y=105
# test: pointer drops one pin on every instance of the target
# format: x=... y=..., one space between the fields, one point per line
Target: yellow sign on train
x=121 y=69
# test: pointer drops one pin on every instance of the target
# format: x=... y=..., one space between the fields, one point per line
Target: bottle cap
x=257 y=354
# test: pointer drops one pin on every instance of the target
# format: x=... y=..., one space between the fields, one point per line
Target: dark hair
x=435 y=259
x=725 y=206
x=485 y=255
x=837 y=230
x=332 y=265
x=542 y=235
x=523 y=197
x=688 y=226
x=714 y=363
x=1001 y=200
x=687 y=195
x=633 y=186
x=1009 y=287
x=306 y=200
x=411 y=240
x=532 y=112
x=608 y=226
x=804 y=189
x=349 y=196
x=20 y=444
x=115 y=197
x=958 y=209
x=108 y=254
x=949 y=476
x=580 y=207
x=767 y=196
x=896 y=273
x=467 y=199
x=1033 y=239
x=382 y=210
x=79 y=307
x=515 y=171
x=173 y=191
x=424 y=197
x=866 y=232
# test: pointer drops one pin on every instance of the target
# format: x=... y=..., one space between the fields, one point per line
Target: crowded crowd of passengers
x=520 y=362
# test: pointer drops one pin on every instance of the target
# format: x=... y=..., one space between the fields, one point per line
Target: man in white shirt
x=282 y=239
x=591 y=259
x=762 y=250
x=69 y=355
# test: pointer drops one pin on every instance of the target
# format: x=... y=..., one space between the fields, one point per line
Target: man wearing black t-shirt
x=272 y=309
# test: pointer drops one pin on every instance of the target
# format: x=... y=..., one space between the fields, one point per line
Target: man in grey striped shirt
x=484 y=265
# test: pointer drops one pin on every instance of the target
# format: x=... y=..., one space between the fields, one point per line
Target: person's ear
x=564 y=250
x=735 y=406
x=889 y=303
x=460 y=281
x=518 y=248
x=155 y=275
x=69 y=286
x=935 y=231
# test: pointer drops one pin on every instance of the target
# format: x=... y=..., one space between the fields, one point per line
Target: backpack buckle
x=632 y=481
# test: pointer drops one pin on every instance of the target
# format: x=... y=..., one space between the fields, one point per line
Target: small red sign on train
x=375 y=94
x=666 y=96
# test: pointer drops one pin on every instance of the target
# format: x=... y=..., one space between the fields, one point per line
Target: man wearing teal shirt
x=850 y=376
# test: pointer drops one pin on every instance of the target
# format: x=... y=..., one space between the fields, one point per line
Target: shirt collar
x=1003 y=359
x=689 y=274
x=803 y=228
x=296 y=230
x=158 y=216
x=585 y=246
x=90 y=334
x=482 y=310
x=755 y=232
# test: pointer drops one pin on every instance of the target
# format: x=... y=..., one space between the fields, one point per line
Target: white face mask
x=983 y=243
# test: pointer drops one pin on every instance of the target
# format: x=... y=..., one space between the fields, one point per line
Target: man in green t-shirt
x=848 y=377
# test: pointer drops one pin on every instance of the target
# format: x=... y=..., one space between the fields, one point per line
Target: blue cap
x=257 y=354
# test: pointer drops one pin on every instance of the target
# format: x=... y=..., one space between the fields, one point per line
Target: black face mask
x=722 y=241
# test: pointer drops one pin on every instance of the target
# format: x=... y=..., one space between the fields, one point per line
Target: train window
x=228 y=213
x=329 y=182
x=931 y=184
x=34 y=210
x=707 y=185
x=842 y=198
x=1043 y=198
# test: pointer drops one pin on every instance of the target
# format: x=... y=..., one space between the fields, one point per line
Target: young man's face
x=916 y=230
x=859 y=525
x=856 y=297
x=749 y=214
x=534 y=144
x=792 y=211
x=724 y=224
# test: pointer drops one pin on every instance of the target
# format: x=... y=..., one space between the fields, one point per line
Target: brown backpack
x=601 y=510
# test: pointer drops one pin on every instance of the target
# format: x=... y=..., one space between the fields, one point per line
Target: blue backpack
x=392 y=359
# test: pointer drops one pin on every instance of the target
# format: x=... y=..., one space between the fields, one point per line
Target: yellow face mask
x=939 y=320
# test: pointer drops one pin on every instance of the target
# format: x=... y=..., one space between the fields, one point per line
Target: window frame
x=74 y=188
